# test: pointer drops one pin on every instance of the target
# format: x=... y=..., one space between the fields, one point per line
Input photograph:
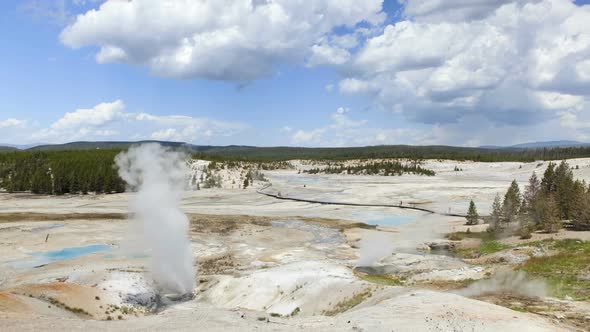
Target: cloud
x=341 y=120
x=110 y=121
x=473 y=129
x=58 y=12
x=232 y=40
x=355 y=85
x=54 y=11
x=461 y=72
x=168 y=134
x=328 y=55
x=99 y=115
x=341 y=131
x=308 y=137
x=342 y=110
x=11 y=123
x=511 y=62
x=456 y=10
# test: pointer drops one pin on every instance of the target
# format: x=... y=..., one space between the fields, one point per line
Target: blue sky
x=276 y=73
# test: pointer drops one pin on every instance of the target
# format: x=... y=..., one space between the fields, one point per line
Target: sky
x=294 y=72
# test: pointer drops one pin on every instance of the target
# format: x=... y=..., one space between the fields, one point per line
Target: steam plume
x=158 y=175
x=507 y=281
x=374 y=247
x=378 y=245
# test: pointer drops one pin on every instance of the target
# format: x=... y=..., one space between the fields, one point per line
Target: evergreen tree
x=74 y=184
x=496 y=216
x=564 y=189
x=107 y=184
x=512 y=202
x=60 y=172
x=472 y=216
x=246 y=182
x=525 y=227
x=548 y=213
x=548 y=182
x=40 y=182
x=577 y=197
x=530 y=191
x=581 y=214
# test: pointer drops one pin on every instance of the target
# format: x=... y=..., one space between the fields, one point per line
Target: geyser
x=158 y=175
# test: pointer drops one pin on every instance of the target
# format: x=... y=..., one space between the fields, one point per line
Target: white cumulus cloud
x=471 y=71
x=110 y=121
x=11 y=122
x=99 y=115
x=308 y=137
x=511 y=62
x=456 y=10
x=235 y=40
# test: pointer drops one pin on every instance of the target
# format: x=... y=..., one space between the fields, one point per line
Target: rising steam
x=374 y=247
x=158 y=175
x=378 y=245
x=507 y=281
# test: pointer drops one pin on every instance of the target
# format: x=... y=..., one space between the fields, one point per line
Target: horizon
x=525 y=145
x=332 y=75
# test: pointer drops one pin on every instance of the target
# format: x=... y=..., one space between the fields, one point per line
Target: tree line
x=386 y=168
x=547 y=204
x=60 y=172
x=255 y=154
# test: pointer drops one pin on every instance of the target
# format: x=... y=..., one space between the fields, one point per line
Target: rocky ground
x=269 y=264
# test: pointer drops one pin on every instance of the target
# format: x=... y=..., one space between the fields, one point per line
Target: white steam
x=374 y=247
x=507 y=281
x=406 y=239
x=158 y=175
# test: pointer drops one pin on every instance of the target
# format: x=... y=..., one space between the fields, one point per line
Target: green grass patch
x=490 y=247
x=484 y=236
x=573 y=245
x=445 y=285
x=567 y=272
x=485 y=248
x=383 y=279
x=519 y=309
x=349 y=303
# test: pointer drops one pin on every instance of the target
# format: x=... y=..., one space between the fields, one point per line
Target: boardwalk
x=398 y=206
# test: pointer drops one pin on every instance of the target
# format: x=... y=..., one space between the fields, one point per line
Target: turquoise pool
x=43 y=258
x=382 y=218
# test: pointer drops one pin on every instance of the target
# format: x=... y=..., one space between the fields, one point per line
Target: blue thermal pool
x=382 y=219
x=43 y=258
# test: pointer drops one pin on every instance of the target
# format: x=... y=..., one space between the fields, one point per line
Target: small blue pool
x=381 y=218
x=43 y=258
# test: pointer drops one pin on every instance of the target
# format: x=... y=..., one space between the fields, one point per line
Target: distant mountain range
x=18 y=147
x=87 y=145
x=7 y=148
x=84 y=145
x=520 y=152
x=538 y=145
x=240 y=151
